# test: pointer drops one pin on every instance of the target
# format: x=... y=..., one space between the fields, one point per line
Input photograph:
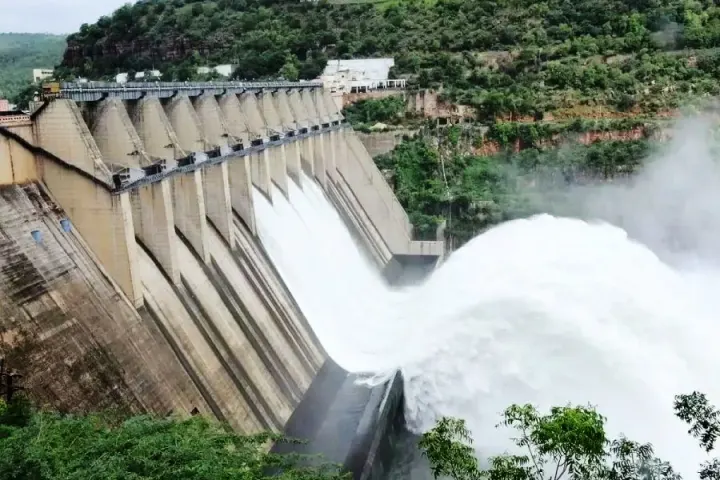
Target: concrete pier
x=241 y=191
x=237 y=123
x=287 y=119
x=116 y=137
x=212 y=120
x=59 y=127
x=217 y=196
x=154 y=224
x=190 y=213
x=305 y=147
x=260 y=172
x=253 y=116
x=278 y=156
x=186 y=123
x=154 y=129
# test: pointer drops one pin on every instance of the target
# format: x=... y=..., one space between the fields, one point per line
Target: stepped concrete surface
x=132 y=276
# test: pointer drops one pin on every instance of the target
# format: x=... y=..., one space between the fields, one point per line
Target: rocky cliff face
x=489 y=147
x=116 y=53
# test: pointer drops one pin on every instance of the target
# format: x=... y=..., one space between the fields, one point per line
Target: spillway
x=330 y=277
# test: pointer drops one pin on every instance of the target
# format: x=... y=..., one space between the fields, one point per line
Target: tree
x=704 y=420
x=290 y=69
x=568 y=443
x=25 y=95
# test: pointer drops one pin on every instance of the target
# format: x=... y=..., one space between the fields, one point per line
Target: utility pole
x=8 y=382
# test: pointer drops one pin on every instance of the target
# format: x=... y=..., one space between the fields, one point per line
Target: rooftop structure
x=364 y=68
x=359 y=75
x=123 y=77
x=224 y=70
x=40 y=74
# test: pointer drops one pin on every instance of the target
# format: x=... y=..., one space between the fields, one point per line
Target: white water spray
x=546 y=311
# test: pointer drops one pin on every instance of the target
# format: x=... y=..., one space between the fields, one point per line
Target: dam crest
x=132 y=275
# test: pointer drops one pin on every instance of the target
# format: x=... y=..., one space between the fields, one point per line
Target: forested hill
x=20 y=53
x=515 y=56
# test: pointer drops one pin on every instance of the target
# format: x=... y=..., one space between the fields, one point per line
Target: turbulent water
x=544 y=310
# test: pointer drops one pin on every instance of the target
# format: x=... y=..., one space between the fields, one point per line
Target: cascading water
x=544 y=310
x=327 y=274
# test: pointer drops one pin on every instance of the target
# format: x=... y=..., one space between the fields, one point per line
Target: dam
x=133 y=275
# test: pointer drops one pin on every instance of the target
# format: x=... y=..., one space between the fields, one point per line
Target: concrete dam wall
x=132 y=276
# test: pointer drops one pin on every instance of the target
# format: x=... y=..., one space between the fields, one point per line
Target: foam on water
x=544 y=310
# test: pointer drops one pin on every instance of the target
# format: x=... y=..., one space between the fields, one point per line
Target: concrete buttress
x=324 y=159
x=253 y=116
x=330 y=106
x=116 y=136
x=190 y=213
x=292 y=150
x=188 y=189
x=315 y=157
x=318 y=156
x=218 y=201
x=241 y=191
x=236 y=121
x=215 y=177
x=260 y=162
x=298 y=110
x=278 y=159
x=155 y=130
x=239 y=168
x=282 y=107
x=304 y=109
x=186 y=123
x=103 y=219
x=260 y=171
x=60 y=129
x=212 y=120
x=338 y=148
x=309 y=105
x=154 y=222
x=319 y=103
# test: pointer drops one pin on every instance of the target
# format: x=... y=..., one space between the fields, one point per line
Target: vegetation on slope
x=50 y=446
x=437 y=178
x=389 y=110
x=506 y=57
x=20 y=53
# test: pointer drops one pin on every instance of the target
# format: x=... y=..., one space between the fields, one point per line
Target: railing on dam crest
x=96 y=91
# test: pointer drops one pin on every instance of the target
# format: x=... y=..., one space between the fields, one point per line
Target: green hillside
x=507 y=57
x=20 y=53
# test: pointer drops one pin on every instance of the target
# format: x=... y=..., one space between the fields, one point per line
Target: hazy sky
x=52 y=16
